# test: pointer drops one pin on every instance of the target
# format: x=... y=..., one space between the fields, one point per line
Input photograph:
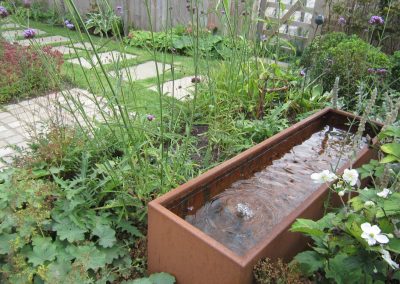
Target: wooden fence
x=291 y=19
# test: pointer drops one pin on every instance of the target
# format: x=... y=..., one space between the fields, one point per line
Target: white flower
x=372 y=234
x=384 y=193
x=342 y=192
x=369 y=203
x=386 y=257
x=323 y=177
x=350 y=176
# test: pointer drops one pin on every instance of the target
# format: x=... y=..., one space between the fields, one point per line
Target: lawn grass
x=137 y=97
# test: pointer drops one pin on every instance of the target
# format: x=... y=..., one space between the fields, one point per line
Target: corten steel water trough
x=193 y=257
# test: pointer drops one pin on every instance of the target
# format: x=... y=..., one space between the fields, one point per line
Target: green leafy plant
x=105 y=23
x=360 y=242
x=395 y=72
x=348 y=57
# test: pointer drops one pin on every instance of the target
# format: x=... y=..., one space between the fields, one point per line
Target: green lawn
x=135 y=94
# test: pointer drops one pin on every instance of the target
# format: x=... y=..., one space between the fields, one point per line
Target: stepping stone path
x=63 y=49
x=19 y=122
x=44 y=40
x=142 y=71
x=180 y=89
x=10 y=26
x=13 y=35
x=85 y=46
x=105 y=58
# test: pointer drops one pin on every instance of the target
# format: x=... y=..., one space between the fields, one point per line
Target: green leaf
x=58 y=271
x=162 y=278
x=306 y=226
x=389 y=159
x=5 y=243
x=89 y=256
x=43 y=250
x=309 y=262
x=114 y=253
x=68 y=230
x=344 y=269
x=392 y=149
x=106 y=235
x=139 y=281
x=394 y=245
x=127 y=227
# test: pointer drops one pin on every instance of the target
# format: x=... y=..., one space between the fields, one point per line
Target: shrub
x=25 y=71
x=348 y=57
x=395 y=72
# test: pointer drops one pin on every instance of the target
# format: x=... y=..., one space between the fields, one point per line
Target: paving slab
x=44 y=40
x=105 y=58
x=21 y=121
x=180 y=89
x=85 y=46
x=142 y=71
x=81 y=61
x=10 y=26
x=13 y=35
x=64 y=49
x=112 y=57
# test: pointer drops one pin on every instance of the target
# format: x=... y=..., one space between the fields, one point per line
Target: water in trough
x=246 y=212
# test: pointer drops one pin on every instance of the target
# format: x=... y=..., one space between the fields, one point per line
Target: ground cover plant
x=25 y=71
x=74 y=204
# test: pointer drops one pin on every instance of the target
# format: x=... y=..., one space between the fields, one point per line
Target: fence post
x=125 y=16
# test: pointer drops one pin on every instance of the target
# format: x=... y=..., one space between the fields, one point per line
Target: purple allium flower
x=66 y=22
x=371 y=70
x=3 y=12
x=342 y=21
x=302 y=72
x=119 y=9
x=27 y=3
x=381 y=71
x=376 y=20
x=150 y=117
x=70 y=26
x=29 y=33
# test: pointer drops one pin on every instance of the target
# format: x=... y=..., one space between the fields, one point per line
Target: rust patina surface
x=193 y=257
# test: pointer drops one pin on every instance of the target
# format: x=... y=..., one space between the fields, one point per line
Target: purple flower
x=303 y=73
x=3 y=12
x=66 y=22
x=376 y=20
x=29 y=33
x=342 y=21
x=119 y=9
x=223 y=11
x=150 y=117
x=263 y=38
x=381 y=71
x=27 y=3
x=70 y=26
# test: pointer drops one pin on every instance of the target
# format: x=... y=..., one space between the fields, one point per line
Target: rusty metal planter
x=177 y=247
